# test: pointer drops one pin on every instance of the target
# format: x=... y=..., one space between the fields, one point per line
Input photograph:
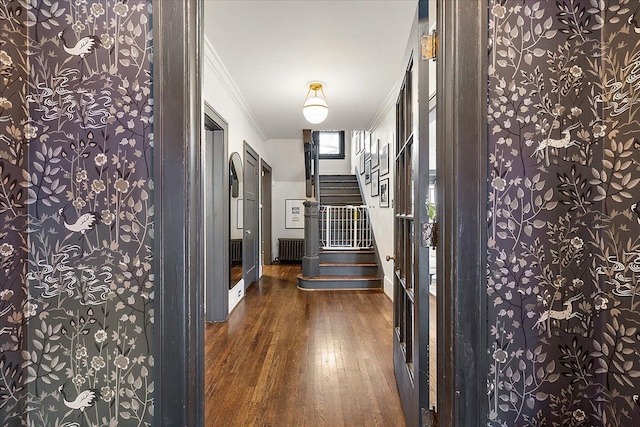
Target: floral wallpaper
x=76 y=202
x=564 y=206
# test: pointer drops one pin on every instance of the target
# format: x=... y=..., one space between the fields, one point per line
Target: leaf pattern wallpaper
x=564 y=205
x=76 y=202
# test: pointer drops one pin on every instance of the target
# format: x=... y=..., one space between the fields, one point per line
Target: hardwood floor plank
x=288 y=357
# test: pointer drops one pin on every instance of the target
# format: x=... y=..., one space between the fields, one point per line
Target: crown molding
x=212 y=60
x=389 y=102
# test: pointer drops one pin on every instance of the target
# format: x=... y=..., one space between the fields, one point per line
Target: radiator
x=236 y=251
x=290 y=249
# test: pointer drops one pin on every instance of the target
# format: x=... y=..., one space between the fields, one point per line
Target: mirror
x=235 y=219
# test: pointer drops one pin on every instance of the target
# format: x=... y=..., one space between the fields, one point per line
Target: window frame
x=341 y=155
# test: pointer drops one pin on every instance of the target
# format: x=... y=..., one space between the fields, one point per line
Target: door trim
x=178 y=304
x=179 y=318
x=462 y=140
x=216 y=223
x=266 y=198
x=248 y=150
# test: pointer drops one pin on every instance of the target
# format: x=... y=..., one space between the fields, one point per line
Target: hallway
x=288 y=357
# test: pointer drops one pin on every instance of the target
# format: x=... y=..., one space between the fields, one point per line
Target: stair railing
x=344 y=227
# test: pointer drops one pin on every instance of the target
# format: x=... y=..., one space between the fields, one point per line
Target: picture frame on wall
x=361 y=164
x=384 y=159
x=367 y=171
x=375 y=182
x=367 y=144
x=375 y=142
x=384 y=193
x=356 y=138
x=294 y=213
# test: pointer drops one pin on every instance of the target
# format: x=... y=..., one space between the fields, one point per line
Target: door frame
x=462 y=138
x=178 y=293
x=178 y=303
x=266 y=198
x=216 y=216
x=249 y=151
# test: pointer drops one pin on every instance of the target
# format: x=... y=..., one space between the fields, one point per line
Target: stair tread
x=341 y=278
x=347 y=251
x=348 y=264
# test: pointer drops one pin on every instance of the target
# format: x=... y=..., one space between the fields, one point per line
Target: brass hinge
x=429 y=43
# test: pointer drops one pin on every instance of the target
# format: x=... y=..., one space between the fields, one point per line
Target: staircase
x=339 y=190
x=343 y=268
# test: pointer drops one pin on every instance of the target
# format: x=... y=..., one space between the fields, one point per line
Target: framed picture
x=384 y=159
x=294 y=213
x=355 y=140
x=240 y=215
x=367 y=171
x=367 y=144
x=375 y=181
x=361 y=164
x=384 y=193
x=374 y=153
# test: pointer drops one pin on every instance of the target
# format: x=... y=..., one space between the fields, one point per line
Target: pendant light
x=315 y=107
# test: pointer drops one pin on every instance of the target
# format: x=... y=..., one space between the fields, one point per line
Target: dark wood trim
x=267 y=211
x=339 y=156
x=422 y=349
x=462 y=182
x=248 y=150
x=179 y=317
x=216 y=225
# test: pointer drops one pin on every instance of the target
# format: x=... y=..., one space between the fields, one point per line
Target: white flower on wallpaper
x=76 y=236
x=564 y=230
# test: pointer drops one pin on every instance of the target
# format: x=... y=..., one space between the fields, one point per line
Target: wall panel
x=76 y=200
x=563 y=231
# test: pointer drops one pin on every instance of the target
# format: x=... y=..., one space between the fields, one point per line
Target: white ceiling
x=273 y=48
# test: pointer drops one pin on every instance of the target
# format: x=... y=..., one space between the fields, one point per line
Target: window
x=331 y=144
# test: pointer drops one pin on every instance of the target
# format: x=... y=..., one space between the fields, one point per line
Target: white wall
x=223 y=96
x=288 y=183
x=384 y=128
x=382 y=219
x=339 y=166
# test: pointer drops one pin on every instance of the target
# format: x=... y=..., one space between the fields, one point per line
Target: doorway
x=215 y=195
x=251 y=227
x=266 y=206
x=179 y=318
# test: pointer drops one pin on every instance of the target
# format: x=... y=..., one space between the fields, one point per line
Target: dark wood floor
x=288 y=357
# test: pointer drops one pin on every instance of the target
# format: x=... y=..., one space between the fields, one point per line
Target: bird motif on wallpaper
x=634 y=21
x=83 y=47
x=83 y=400
x=84 y=223
x=635 y=209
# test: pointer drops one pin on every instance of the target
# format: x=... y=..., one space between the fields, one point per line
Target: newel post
x=311 y=259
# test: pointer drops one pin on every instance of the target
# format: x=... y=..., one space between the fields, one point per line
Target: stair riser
x=347 y=257
x=343 y=270
x=339 y=190
x=340 y=284
x=338 y=178
x=356 y=201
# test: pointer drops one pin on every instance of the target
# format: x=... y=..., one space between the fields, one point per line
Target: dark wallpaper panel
x=564 y=225
x=76 y=202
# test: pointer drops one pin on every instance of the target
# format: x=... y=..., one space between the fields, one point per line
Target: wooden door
x=267 y=240
x=250 y=241
x=414 y=299
x=404 y=301
x=215 y=191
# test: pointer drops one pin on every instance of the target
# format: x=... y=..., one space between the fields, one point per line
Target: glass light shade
x=315 y=110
